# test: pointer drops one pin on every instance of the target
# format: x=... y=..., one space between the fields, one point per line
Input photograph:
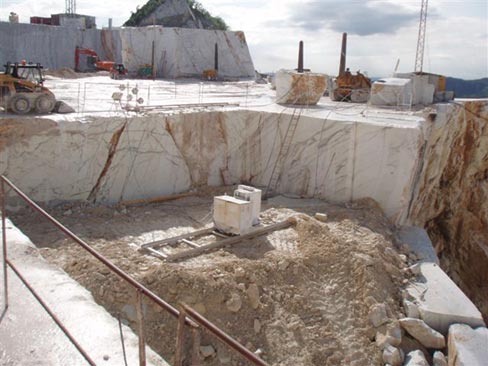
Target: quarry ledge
x=335 y=154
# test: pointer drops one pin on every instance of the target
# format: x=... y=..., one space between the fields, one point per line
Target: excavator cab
x=22 y=90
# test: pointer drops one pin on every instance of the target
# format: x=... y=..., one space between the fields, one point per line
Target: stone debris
x=207 y=351
x=321 y=217
x=439 y=359
x=467 y=346
x=234 y=304
x=378 y=315
x=257 y=325
x=411 y=309
x=416 y=358
x=427 y=336
x=391 y=335
x=253 y=294
x=393 y=356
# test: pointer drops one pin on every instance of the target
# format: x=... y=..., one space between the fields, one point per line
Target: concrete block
x=467 y=346
x=441 y=303
x=232 y=215
x=418 y=241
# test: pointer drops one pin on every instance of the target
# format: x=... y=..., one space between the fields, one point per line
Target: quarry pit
x=297 y=296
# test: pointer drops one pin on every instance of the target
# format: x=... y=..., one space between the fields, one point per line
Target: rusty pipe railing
x=148 y=293
x=187 y=317
x=4 y=241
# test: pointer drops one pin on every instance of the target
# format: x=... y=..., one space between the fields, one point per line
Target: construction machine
x=22 y=90
x=118 y=71
x=348 y=87
x=87 y=60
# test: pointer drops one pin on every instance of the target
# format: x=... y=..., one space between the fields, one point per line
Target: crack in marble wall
x=114 y=142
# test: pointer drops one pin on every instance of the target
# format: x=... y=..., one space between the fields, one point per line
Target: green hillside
x=209 y=21
x=468 y=88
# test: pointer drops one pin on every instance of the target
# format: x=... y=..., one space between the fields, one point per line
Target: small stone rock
x=378 y=315
x=234 y=304
x=393 y=356
x=241 y=286
x=207 y=351
x=321 y=217
x=253 y=294
x=411 y=309
x=200 y=308
x=439 y=359
x=106 y=357
x=389 y=336
x=427 y=336
x=257 y=326
x=68 y=213
x=259 y=352
x=240 y=272
x=416 y=358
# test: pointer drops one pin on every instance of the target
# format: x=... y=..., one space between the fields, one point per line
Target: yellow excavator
x=22 y=90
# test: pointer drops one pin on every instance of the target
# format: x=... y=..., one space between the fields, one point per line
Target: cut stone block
x=467 y=346
x=427 y=336
x=419 y=243
x=441 y=303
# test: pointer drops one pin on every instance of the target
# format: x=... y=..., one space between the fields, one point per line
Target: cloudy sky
x=380 y=31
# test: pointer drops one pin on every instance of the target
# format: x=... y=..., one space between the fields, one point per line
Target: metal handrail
x=194 y=320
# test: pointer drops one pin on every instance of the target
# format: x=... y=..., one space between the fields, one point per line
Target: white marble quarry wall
x=105 y=160
x=52 y=46
x=182 y=52
x=108 y=160
x=178 y=52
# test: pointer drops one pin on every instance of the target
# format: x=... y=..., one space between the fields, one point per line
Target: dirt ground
x=298 y=296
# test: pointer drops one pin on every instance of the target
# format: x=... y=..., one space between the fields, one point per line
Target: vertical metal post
x=195 y=358
x=216 y=56
x=180 y=338
x=4 y=241
x=342 y=65
x=300 y=57
x=153 y=67
x=140 y=320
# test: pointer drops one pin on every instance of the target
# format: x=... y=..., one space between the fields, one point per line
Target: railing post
x=4 y=240
x=195 y=359
x=180 y=338
x=140 y=320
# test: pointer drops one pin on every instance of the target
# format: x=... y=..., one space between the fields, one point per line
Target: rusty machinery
x=349 y=87
x=91 y=61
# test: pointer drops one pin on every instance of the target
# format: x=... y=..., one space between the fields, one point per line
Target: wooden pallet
x=221 y=241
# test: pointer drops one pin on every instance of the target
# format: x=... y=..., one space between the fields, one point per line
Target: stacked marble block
x=299 y=88
x=237 y=214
